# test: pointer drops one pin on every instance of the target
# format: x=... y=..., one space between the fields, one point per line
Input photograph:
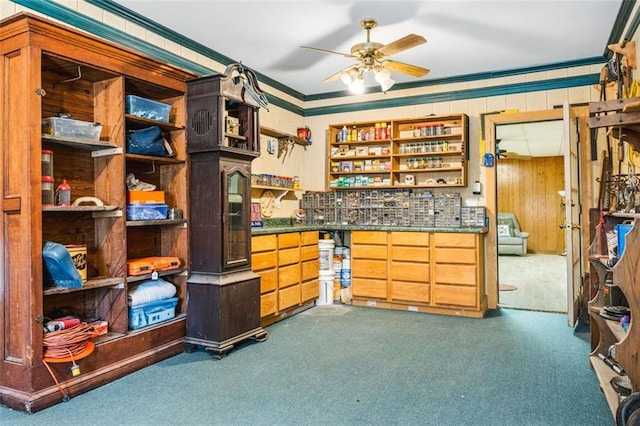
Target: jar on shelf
x=48 y=191
x=47 y=162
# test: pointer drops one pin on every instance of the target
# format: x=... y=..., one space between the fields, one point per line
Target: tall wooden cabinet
x=46 y=70
x=223 y=139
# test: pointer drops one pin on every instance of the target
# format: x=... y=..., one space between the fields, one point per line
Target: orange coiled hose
x=67 y=342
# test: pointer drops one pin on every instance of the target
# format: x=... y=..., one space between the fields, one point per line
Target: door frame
x=491 y=197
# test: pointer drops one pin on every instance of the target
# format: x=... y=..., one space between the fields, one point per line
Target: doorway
x=531 y=243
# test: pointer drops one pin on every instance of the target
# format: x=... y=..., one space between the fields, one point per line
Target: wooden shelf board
x=160 y=222
x=363 y=172
x=360 y=157
x=148 y=122
x=136 y=278
x=78 y=143
x=279 y=135
x=429 y=154
x=78 y=209
x=432 y=170
x=604 y=373
x=88 y=285
x=152 y=158
x=359 y=143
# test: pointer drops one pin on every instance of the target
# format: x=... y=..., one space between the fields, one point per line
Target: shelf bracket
x=106 y=152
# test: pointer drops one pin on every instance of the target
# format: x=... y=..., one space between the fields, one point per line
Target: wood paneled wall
x=529 y=188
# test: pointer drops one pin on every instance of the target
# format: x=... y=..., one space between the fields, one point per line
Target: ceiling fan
x=508 y=155
x=371 y=56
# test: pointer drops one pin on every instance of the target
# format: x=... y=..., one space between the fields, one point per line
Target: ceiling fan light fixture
x=357 y=86
x=386 y=85
x=381 y=74
x=349 y=76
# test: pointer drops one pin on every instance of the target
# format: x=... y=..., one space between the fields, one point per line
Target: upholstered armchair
x=511 y=239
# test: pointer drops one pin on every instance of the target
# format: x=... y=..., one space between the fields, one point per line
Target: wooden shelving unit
x=427 y=152
x=607 y=333
x=88 y=78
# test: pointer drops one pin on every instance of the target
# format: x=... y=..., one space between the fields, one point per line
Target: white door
x=572 y=215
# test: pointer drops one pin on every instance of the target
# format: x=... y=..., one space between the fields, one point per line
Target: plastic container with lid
x=48 y=191
x=47 y=162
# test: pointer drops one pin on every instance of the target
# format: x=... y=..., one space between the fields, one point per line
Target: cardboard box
x=145 y=197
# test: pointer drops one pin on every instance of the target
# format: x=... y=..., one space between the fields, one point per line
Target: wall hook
x=72 y=78
x=153 y=168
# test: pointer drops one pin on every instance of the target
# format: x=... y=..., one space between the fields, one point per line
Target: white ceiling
x=537 y=139
x=463 y=37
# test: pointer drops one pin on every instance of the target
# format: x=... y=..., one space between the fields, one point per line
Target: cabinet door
x=236 y=216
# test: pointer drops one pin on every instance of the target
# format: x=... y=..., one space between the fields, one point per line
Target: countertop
x=283 y=226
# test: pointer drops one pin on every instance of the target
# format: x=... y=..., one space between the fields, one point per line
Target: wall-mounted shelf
x=424 y=152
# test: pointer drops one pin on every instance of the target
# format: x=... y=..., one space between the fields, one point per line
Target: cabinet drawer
x=410 y=254
x=363 y=287
x=309 y=238
x=410 y=239
x=268 y=280
x=365 y=237
x=289 y=275
x=289 y=297
x=409 y=292
x=310 y=270
x=309 y=252
x=454 y=240
x=291 y=239
x=367 y=251
x=310 y=290
x=268 y=304
x=456 y=274
x=263 y=243
x=456 y=255
x=288 y=256
x=365 y=268
x=407 y=271
x=263 y=260
x=455 y=295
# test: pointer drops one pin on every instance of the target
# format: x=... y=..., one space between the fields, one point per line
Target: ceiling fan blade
x=337 y=75
x=412 y=70
x=404 y=43
x=508 y=155
x=331 y=52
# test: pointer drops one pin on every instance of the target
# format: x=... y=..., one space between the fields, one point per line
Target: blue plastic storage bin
x=151 y=313
x=148 y=211
x=146 y=108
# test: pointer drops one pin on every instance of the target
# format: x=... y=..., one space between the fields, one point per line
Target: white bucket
x=325 y=254
x=326 y=288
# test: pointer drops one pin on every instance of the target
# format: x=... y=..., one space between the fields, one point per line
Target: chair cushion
x=510 y=241
x=505 y=230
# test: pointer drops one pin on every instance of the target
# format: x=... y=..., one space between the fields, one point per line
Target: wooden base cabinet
x=419 y=271
x=48 y=69
x=288 y=267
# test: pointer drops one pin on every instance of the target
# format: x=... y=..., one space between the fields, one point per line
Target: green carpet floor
x=343 y=365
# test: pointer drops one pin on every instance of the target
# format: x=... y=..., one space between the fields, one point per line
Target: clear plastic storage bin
x=146 y=108
x=67 y=127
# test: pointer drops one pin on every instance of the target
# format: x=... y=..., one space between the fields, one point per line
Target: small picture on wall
x=256 y=216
